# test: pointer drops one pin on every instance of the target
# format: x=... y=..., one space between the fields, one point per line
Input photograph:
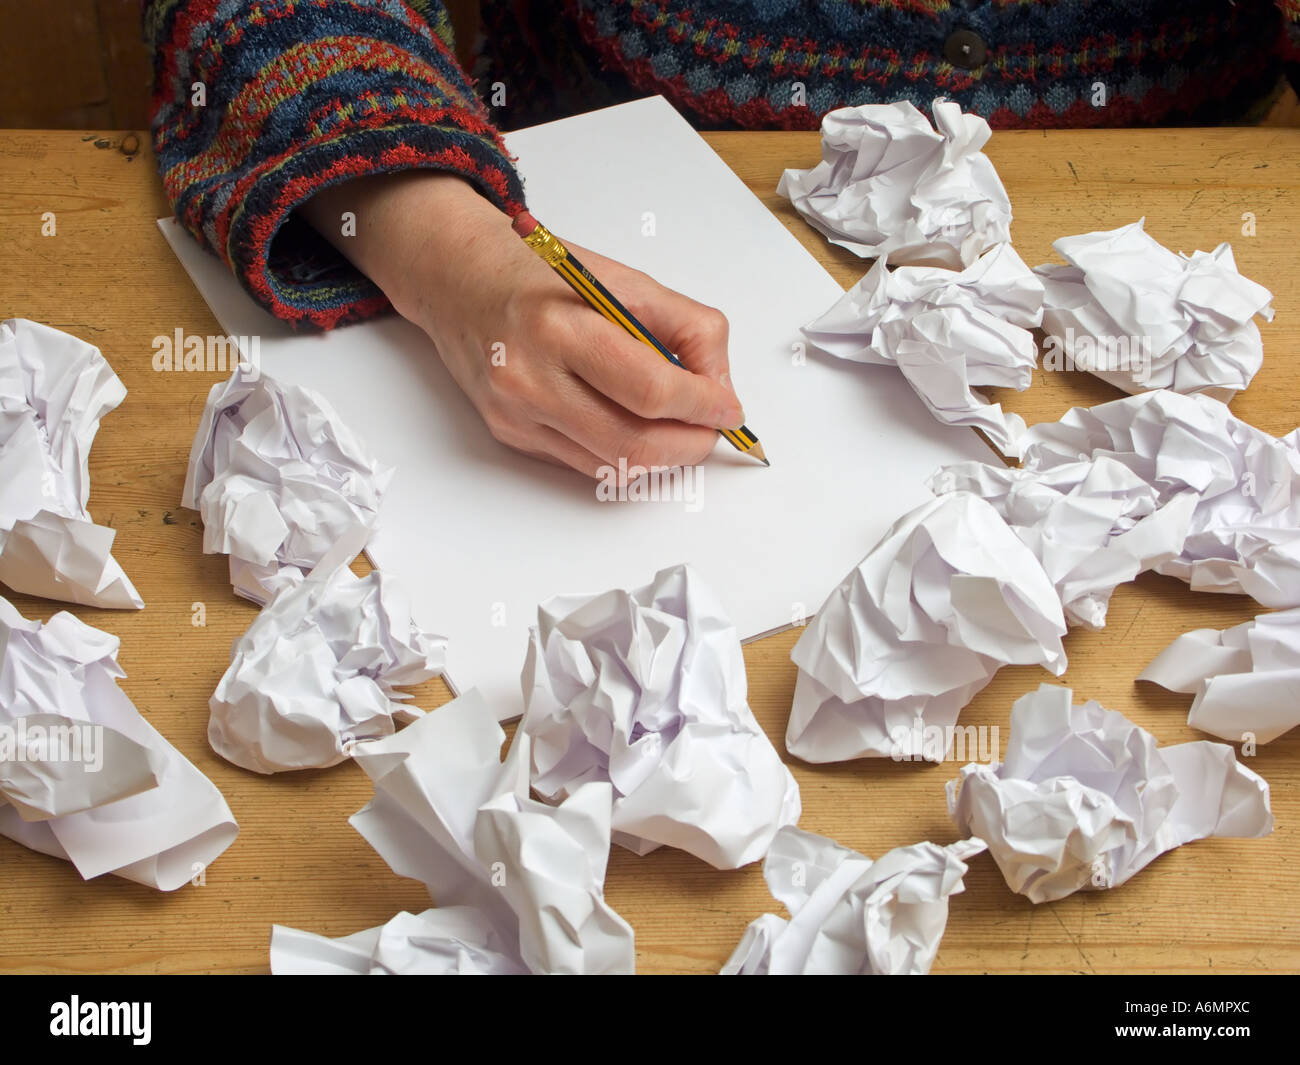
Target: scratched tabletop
x=107 y=276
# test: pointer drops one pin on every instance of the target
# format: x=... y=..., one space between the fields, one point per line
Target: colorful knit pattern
x=782 y=64
x=298 y=95
x=259 y=104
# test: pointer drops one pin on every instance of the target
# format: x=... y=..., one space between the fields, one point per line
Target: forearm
x=406 y=231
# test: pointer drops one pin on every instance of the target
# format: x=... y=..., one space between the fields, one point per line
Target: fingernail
x=730 y=416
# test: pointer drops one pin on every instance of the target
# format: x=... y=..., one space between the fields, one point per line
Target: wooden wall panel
x=125 y=57
x=51 y=74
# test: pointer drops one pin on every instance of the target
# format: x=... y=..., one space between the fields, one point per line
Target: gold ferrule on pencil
x=547 y=245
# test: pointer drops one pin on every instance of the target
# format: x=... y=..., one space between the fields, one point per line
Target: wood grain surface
x=108 y=277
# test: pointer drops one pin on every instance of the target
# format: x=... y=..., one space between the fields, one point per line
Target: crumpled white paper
x=448 y=941
x=83 y=776
x=1129 y=310
x=59 y=752
x=888 y=183
x=947 y=597
x=850 y=916
x=529 y=878
x=1092 y=525
x=278 y=478
x=1085 y=798
x=1244 y=534
x=318 y=669
x=54 y=389
x=1246 y=678
x=647 y=690
x=947 y=331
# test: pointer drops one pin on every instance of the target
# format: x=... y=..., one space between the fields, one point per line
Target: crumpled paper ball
x=946 y=598
x=54 y=389
x=1085 y=799
x=278 y=479
x=850 y=916
x=891 y=184
x=317 y=670
x=948 y=331
x=1135 y=314
x=1244 y=533
x=647 y=689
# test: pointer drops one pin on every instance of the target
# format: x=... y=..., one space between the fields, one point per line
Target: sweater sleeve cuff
x=294 y=272
x=260 y=104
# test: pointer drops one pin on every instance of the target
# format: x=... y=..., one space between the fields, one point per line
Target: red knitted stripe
x=424 y=113
x=247 y=113
x=329 y=317
x=424 y=116
x=212 y=53
x=190 y=15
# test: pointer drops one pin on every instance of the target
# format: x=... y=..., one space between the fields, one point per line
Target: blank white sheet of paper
x=480 y=534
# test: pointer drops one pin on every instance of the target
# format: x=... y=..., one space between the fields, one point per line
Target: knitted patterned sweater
x=258 y=104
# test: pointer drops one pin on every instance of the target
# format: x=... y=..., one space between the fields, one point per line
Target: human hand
x=550 y=376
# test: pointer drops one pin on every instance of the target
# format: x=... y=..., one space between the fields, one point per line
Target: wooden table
x=107 y=276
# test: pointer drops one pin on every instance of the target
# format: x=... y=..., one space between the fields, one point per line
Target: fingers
x=602 y=427
x=591 y=434
x=556 y=448
x=696 y=333
x=642 y=381
x=519 y=431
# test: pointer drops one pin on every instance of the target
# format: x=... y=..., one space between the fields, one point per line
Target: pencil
x=580 y=279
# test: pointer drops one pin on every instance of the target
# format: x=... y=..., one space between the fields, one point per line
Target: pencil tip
x=758 y=453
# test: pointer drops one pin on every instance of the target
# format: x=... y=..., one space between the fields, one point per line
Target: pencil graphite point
x=758 y=453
